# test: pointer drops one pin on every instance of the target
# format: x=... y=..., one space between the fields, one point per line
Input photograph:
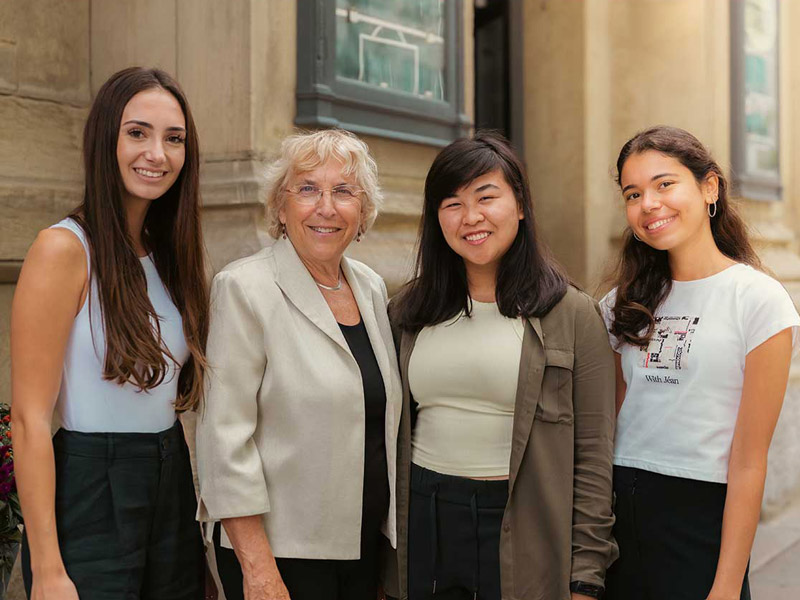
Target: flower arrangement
x=10 y=512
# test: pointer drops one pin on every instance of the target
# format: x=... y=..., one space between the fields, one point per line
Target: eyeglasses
x=340 y=194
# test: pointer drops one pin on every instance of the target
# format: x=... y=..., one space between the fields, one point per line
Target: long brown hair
x=643 y=278
x=135 y=352
x=529 y=281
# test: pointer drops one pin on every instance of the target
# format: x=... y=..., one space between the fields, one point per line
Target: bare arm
x=765 y=377
x=50 y=292
x=262 y=581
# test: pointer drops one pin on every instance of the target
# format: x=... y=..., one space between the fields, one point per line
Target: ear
x=711 y=188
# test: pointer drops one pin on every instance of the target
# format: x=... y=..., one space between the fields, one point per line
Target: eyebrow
x=485 y=187
x=149 y=126
x=653 y=178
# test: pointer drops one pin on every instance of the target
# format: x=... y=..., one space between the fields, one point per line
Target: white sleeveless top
x=89 y=403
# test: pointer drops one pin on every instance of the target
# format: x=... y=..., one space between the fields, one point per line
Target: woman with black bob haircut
x=108 y=328
x=703 y=342
x=508 y=373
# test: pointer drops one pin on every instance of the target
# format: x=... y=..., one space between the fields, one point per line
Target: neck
x=135 y=212
x=697 y=258
x=324 y=272
x=482 y=282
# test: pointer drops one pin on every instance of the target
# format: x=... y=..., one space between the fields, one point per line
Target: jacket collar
x=299 y=287
x=296 y=282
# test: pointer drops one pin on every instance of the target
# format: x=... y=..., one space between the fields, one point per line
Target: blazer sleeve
x=232 y=482
x=593 y=547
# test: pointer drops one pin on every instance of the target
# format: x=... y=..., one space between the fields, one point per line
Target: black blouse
x=376 y=479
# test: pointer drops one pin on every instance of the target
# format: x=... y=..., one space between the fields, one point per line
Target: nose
x=472 y=214
x=155 y=151
x=650 y=201
x=325 y=205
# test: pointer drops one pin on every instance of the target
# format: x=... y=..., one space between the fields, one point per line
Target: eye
x=665 y=184
x=136 y=133
x=632 y=196
x=176 y=139
x=482 y=198
x=450 y=204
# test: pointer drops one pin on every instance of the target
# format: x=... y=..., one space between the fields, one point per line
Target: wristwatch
x=587 y=589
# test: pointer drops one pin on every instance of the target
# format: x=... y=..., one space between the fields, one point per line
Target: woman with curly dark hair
x=703 y=341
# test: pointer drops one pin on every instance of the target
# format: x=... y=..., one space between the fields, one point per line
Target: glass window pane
x=761 y=86
x=393 y=45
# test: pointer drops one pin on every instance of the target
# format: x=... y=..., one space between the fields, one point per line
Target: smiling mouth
x=660 y=223
x=150 y=174
x=324 y=229
x=477 y=237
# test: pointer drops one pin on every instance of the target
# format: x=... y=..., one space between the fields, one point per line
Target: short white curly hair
x=305 y=151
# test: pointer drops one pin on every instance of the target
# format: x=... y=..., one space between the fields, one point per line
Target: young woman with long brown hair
x=108 y=325
x=703 y=341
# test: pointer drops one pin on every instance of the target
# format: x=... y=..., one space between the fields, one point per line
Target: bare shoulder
x=56 y=253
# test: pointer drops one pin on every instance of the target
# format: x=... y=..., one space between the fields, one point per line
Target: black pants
x=310 y=579
x=669 y=531
x=454 y=536
x=125 y=514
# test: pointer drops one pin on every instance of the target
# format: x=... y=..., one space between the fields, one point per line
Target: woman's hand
x=57 y=587
x=262 y=580
x=264 y=584
x=581 y=597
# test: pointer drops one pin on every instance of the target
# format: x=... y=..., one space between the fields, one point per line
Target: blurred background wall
x=569 y=81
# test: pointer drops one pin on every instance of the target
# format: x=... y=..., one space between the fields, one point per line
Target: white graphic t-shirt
x=684 y=389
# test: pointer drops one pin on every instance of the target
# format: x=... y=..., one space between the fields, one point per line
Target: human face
x=480 y=220
x=321 y=231
x=665 y=205
x=151 y=146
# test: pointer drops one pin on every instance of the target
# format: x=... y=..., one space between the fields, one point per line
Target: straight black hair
x=529 y=281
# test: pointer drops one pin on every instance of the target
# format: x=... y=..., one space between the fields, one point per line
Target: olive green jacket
x=558 y=520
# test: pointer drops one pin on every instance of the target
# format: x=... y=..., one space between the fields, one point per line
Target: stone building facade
x=578 y=78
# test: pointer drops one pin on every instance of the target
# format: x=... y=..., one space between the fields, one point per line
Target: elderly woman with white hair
x=296 y=443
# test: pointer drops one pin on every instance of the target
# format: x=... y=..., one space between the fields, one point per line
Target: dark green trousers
x=125 y=512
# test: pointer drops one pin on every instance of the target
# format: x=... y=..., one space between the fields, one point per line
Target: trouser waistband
x=120 y=445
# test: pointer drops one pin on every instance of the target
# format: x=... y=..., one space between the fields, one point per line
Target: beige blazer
x=281 y=432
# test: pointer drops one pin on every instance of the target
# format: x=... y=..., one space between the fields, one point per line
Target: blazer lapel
x=529 y=384
x=299 y=287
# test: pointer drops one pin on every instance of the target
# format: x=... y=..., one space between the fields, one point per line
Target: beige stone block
x=231 y=182
x=40 y=143
x=232 y=232
x=129 y=33
x=6 y=295
x=554 y=62
x=8 y=65
x=214 y=68
x=662 y=63
x=27 y=210
x=274 y=73
x=52 y=48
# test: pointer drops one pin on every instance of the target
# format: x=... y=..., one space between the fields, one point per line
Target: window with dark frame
x=383 y=68
x=755 y=106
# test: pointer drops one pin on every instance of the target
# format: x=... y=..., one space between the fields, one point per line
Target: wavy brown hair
x=135 y=351
x=643 y=278
x=529 y=281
